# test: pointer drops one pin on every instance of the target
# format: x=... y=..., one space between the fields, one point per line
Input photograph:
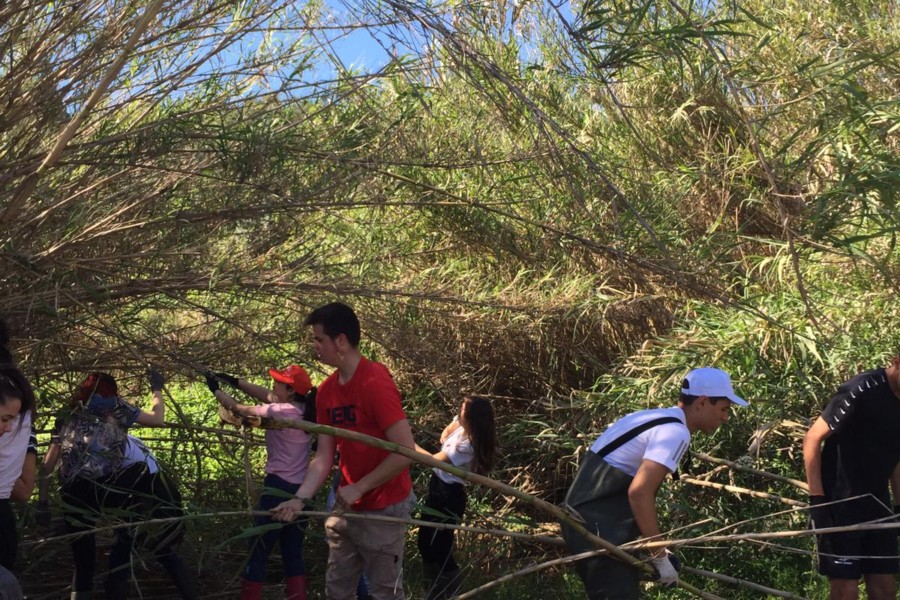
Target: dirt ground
x=45 y=567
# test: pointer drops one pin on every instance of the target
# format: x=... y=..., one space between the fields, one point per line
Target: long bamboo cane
x=527 y=571
x=426 y=459
x=738 y=467
x=744 y=583
x=25 y=189
x=637 y=544
x=540 y=539
x=576 y=557
x=737 y=537
x=741 y=490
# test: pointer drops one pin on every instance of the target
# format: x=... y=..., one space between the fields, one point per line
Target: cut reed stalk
x=741 y=490
x=738 y=467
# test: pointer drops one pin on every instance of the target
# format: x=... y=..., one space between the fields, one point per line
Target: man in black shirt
x=853 y=450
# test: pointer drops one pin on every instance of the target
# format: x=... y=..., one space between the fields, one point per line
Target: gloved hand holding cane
x=231 y=380
x=667 y=566
x=156 y=379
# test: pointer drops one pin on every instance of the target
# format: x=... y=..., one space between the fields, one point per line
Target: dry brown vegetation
x=560 y=209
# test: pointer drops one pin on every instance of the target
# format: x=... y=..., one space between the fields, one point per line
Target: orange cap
x=295 y=376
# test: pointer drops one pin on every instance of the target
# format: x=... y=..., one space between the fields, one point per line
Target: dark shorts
x=852 y=554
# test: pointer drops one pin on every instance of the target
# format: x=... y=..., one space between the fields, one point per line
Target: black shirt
x=864 y=448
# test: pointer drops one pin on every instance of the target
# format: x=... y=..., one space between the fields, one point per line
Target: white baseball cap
x=714 y=383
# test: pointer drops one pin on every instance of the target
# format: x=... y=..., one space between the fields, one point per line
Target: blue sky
x=358 y=50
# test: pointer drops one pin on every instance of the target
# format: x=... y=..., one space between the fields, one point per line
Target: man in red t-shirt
x=359 y=396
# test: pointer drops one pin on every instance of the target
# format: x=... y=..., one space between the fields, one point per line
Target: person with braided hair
x=18 y=449
x=19 y=445
x=292 y=397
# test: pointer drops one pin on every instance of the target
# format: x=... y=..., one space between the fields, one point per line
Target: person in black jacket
x=852 y=457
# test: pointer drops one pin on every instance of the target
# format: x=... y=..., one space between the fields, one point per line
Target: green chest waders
x=600 y=495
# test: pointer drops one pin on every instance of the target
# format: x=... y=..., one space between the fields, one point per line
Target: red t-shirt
x=369 y=403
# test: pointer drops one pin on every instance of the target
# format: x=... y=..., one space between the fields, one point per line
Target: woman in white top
x=470 y=443
x=16 y=413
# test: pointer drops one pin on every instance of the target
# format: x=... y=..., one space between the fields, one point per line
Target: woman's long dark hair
x=5 y=355
x=308 y=401
x=13 y=384
x=481 y=428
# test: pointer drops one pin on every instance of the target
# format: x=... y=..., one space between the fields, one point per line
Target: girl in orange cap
x=292 y=397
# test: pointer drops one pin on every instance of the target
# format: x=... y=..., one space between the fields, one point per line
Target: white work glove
x=666 y=568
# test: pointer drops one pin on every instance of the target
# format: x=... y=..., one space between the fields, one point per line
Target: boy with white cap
x=615 y=489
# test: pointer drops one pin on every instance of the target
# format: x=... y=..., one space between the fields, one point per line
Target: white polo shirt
x=664 y=444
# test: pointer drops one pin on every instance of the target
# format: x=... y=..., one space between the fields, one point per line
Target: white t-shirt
x=136 y=452
x=459 y=452
x=664 y=444
x=13 y=446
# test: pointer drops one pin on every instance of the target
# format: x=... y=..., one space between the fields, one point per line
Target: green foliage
x=562 y=213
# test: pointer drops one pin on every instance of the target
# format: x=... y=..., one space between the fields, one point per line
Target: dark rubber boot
x=251 y=590
x=295 y=588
